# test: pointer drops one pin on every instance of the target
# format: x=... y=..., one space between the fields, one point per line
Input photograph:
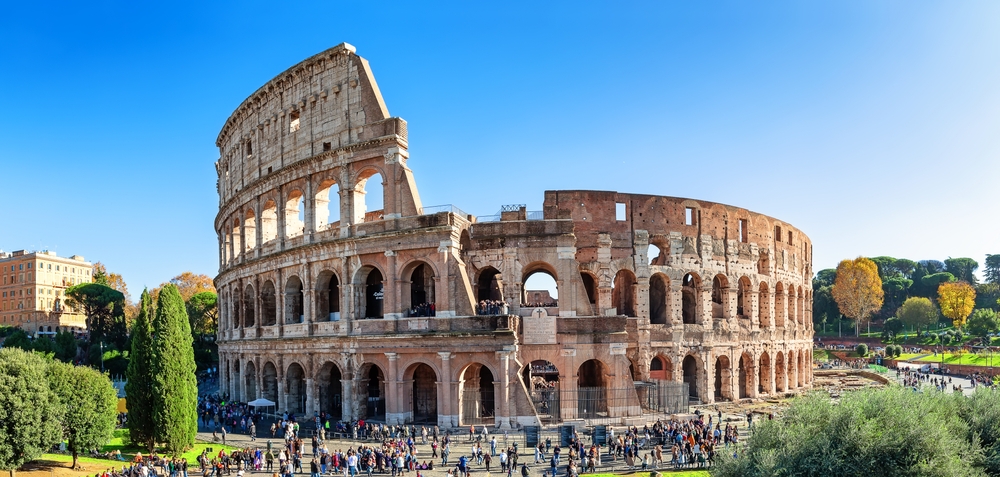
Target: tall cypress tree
x=175 y=388
x=139 y=387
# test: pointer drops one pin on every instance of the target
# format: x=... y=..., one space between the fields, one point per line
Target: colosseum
x=334 y=301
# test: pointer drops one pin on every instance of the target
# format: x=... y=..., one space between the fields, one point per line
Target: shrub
x=862 y=349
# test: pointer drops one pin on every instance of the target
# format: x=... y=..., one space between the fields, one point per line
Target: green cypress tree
x=30 y=412
x=139 y=384
x=175 y=387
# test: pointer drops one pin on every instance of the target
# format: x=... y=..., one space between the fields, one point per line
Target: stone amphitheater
x=337 y=301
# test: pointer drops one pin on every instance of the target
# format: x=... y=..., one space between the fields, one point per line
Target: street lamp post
x=102 y=356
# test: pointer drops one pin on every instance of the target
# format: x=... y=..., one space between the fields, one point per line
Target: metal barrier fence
x=600 y=405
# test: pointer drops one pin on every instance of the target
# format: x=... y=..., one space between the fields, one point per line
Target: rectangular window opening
x=689 y=216
x=293 y=125
x=743 y=230
x=327 y=146
x=619 y=211
x=777 y=233
x=790 y=237
x=249 y=147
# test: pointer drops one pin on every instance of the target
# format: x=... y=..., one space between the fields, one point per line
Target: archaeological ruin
x=332 y=300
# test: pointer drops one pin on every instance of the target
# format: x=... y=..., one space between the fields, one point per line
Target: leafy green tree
x=862 y=349
x=174 y=384
x=982 y=322
x=29 y=411
x=895 y=289
x=824 y=306
x=66 y=346
x=139 y=386
x=824 y=278
x=982 y=413
x=18 y=339
x=987 y=295
x=203 y=312
x=104 y=307
x=90 y=403
x=932 y=266
x=918 y=312
x=885 y=432
x=891 y=328
x=963 y=268
x=991 y=269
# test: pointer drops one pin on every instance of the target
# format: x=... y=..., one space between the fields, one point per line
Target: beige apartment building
x=32 y=291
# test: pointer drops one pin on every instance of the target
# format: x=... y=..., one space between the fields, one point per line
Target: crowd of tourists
x=423 y=309
x=492 y=307
x=149 y=466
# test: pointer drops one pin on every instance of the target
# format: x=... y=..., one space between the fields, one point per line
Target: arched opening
x=792 y=374
x=623 y=292
x=295 y=385
x=331 y=391
x=269 y=222
x=764 y=374
x=780 y=380
x=235 y=298
x=372 y=392
x=371 y=278
x=268 y=304
x=691 y=371
x=370 y=193
x=249 y=299
x=792 y=318
x=746 y=376
x=327 y=203
x=269 y=379
x=542 y=380
x=294 y=298
x=801 y=371
x=227 y=241
x=744 y=301
x=779 y=305
x=465 y=241
x=421 y=291
x=234 y=377
x=723 y=379
x=689 y=298
x=540 y=288
x=477 y=395
x=250 y=382
x=658 y=293
x=490 y=285
x=250 y=231
x=294 y=214
x=592 y=399
x=423 y=399
x=590 y=285
x=764 y=306
x=720 y=296
x=660 y=368
x=237 y=243
x=653 y=254
x=327 y=297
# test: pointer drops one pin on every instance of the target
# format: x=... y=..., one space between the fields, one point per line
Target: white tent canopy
x=261 y=403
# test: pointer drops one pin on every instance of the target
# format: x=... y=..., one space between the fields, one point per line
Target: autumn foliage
x=858 y=289
x=956 y=299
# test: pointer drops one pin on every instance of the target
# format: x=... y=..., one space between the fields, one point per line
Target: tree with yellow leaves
x=956 y=299
x=858 y=289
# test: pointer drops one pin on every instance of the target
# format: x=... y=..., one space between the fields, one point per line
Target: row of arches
x=746 y=378
x=292 y=213
x=246 y=307
x=365 y=395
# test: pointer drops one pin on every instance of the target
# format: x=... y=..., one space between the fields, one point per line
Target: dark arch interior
x=592 y=399
x=623 y=293
x=422 y=291
x=657 y=300
x=248 y=301
x=590 y=286
x=424 y=397
x=331 y=393
x=374 y=397
x=690 y=367
x=269 y=305
x=373 y=294
x=490 y=285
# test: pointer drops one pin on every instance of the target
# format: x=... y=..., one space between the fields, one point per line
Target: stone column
x=754 y=311
x=309 y=214
x=505 y=393
x=282 y=398
x=348 y=399
x=312 y=393
x=390 y=288
x=703 y=310
x=447 y=417
x=393 y=403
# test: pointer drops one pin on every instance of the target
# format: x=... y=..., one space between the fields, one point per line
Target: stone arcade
x=327 y=305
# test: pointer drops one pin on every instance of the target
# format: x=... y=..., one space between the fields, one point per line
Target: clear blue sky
x=872 y=126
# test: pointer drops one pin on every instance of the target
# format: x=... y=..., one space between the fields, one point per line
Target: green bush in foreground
x=884 y=432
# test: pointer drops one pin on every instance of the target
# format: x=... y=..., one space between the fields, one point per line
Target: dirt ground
x=50 y=468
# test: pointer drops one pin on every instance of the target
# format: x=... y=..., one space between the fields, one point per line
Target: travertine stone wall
x=329 y=306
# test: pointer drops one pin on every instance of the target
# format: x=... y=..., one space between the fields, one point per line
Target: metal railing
x=435 y=209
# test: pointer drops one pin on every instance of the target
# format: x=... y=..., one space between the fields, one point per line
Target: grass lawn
x=128 y=452
x=908 y=356
x=821 y=354
x=966 y=358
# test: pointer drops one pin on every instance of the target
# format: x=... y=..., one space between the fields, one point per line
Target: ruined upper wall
x=595 y=212
x=327 y=103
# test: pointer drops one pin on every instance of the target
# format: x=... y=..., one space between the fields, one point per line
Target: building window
x=689 y=216
x=29 y=266
x=789 y=237
x=620 y=211
x=777 y=233
x=293 y=125
x=743 y=230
